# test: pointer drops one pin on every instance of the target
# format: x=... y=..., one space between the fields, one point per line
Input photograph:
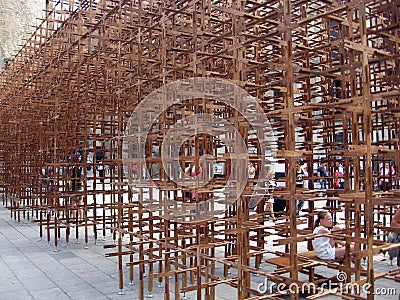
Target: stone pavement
x=31 y=269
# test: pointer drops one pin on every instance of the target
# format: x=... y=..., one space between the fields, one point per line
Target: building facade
x=17 y=18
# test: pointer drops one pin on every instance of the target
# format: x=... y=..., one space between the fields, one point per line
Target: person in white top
x=327 y=247
x=306 y=174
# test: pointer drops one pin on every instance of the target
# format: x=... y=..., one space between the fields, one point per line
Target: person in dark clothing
x=100 y=168
x=76 y=189
x=299 y=184
x=321 y=173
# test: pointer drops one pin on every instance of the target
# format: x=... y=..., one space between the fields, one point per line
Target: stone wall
x=17 y=21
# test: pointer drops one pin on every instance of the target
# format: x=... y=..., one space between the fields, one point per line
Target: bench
x=304 y=267
x=284 y=261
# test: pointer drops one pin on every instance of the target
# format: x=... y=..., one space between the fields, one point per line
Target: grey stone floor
x=31 y=269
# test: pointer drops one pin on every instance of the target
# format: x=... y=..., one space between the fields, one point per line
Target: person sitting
x=327 y=248
x=394 y=237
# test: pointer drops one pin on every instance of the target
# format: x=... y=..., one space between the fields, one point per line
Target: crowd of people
x=333 y=177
